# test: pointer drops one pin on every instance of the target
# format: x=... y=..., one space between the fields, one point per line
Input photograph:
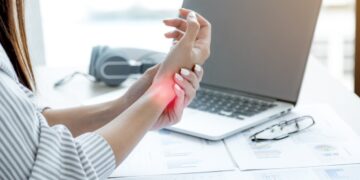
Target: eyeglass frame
x=283 y=124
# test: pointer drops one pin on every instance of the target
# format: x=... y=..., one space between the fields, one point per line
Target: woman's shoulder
x=12 y=97
x=17 y=112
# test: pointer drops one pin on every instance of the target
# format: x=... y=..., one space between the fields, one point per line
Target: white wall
x=34 y=31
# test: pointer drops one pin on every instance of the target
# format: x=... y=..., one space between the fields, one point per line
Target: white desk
x=318 y=87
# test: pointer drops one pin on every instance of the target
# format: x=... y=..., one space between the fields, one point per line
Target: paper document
x=165 y=152
x=329 y=142
x=226 y=175
x=348 y=172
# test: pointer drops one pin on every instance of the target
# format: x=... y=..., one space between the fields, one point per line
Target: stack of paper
x=165 y=152
x=329 y=142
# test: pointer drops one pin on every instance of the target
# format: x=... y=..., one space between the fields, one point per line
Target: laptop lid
x=259 y=47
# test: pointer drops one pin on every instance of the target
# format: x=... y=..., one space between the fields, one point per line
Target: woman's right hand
x=192 y=39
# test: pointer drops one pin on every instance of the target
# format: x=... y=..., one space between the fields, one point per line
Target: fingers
x=178 y=23
x=176 y=35
x=202 y=21
x=199 y=71
x=189 y=83
x=204 y=35
x=188 y=28
x=191 y=78
x=185 y=85
x=193 y=28
x=187 y=77
x=181 y=23
x=200 y=28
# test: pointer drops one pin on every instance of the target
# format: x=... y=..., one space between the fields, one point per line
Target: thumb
x=192 y=29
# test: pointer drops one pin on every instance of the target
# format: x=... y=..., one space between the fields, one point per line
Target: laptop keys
x=228 y=105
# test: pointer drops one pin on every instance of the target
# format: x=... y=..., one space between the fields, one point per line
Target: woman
x=89 y=142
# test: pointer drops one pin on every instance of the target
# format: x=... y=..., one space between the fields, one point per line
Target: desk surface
x=318 y=87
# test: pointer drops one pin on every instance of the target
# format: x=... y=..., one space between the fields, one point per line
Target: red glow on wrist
x=163 y=91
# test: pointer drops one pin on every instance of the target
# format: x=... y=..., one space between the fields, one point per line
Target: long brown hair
x=13 y=39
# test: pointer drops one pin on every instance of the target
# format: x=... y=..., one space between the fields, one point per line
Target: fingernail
x=178 y=77
x=198 y=68
x=192 y=15
x=184 y=72
x=177 y=87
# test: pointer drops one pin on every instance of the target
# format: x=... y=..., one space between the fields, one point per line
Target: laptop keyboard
x=228 y=105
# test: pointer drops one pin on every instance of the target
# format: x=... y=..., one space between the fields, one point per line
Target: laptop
x=259 y=53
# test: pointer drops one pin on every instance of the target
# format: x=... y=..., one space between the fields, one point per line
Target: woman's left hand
x=186 y=84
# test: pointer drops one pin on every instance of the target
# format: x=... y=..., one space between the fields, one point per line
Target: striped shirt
x=31 y=149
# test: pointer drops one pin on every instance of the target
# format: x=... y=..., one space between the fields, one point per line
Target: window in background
x=334 y=38
x=73 y=27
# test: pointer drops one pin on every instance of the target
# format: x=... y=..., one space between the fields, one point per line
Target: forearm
x=126 y=130
x=89 y=118
x=86 y=118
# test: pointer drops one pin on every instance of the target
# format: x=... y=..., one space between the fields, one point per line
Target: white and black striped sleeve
x=30 y=149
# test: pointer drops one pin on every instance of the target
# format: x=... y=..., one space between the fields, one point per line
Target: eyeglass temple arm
x=255 y=139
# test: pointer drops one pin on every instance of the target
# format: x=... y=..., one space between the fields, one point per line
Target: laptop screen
x=259 y=47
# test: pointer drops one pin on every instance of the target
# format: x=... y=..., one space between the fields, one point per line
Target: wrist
x=151 y=72
x=162 y=92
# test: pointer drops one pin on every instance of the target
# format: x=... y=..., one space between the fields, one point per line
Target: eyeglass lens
x=284 y=129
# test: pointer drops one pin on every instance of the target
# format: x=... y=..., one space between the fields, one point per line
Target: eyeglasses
x=283 y=129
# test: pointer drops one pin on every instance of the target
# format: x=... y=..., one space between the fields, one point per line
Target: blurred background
x=72 y=27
